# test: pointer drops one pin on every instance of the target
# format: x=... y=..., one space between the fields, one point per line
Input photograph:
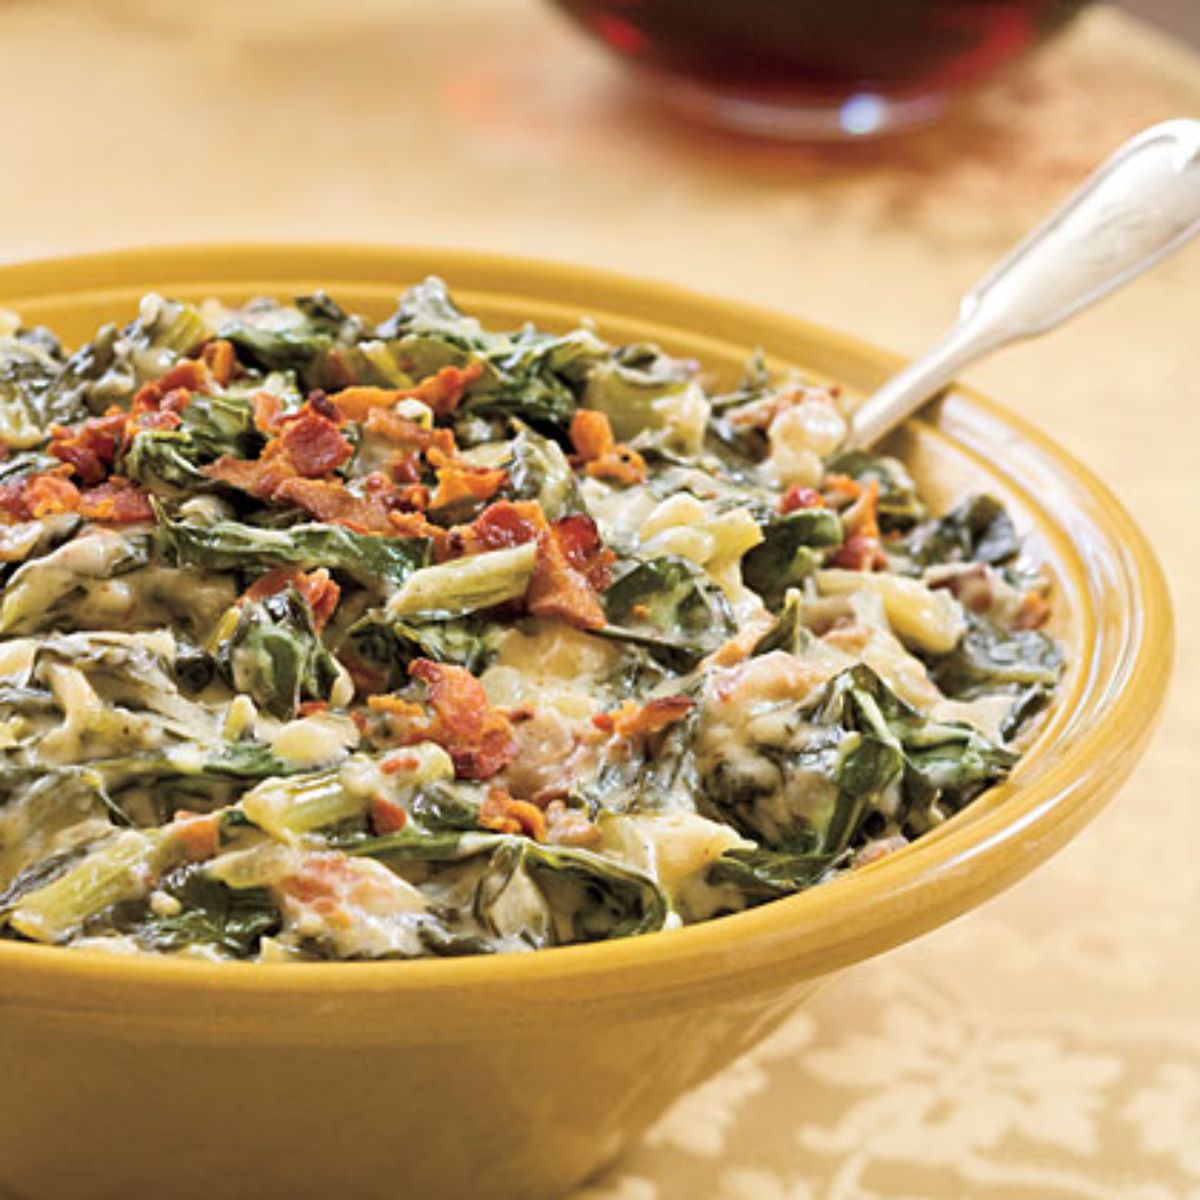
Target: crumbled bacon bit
x=387 y=815
x=117 y=500
x=394 y=706
x=359 y=403
x=501 y=813
x=591 y=434
x=442 y=392
x=461 y=481
x=739 y=647
x=557 y=590
x=268 y=412
x=188 y=374
x=313 y=444
x=414 y=524
x=1033 y=613
x=863 y=548
x=477 y=737
x=259 y=477
x=652 y=717
x=91 y=447
x=971 y=584
x=48 y=494
x=337 y=888
x=318 y=590
x=220 y=359
x=798 y=496
x=571 y=562
x=312 y=708
x=501 y=525
x=624 y=465
x=579 y=537
x=407 y=436
x=842 y=487
x=309 y=445
x=602 y=455
x=332 y=503
x=320 y=403
x=859 y=553
x=395 y=763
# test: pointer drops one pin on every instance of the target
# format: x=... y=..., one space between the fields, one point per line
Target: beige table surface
x=1045 y=1047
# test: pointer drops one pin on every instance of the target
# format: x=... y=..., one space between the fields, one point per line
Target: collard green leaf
x=593 y=897
x=781 y=786
x=539 y=471
x=390 y=645
x=38 y=874
x=171 y=459
x=27 y=462
x=274 y=655
x=541 y=401
x=443 y=808
x=45 y=592
x=989 y=659
x=945 y=763
x=451 y=590
x=1025 y=663
x=600 y=898
x=211 y=913
x=305 y=338
x=426 y=309
x=150 y=786
x=668 y=607
x=789 y=632
x=30 y=364
x=625 y=385
x=812 y=773
x=762 y=875
x=658 y=774
x=978 y=530
x=793 y=547
x=234 y=546
x=537 y=377
x=110 y=368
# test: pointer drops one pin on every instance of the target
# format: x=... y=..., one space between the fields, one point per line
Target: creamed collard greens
x=326 y=639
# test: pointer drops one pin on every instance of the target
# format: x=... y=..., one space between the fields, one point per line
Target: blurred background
x=1178 y=16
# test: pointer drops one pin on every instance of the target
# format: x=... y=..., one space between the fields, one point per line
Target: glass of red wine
x=818 y=69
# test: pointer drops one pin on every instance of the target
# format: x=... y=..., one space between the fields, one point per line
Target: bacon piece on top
x=460 y=719
x=603 y=457
x=501 y=813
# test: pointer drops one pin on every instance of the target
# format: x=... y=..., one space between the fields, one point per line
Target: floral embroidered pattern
x=902 y=1084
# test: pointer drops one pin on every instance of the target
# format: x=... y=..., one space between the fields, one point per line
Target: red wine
x=795 y=52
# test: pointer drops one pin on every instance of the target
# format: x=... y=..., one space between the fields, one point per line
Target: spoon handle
x=1136 y=208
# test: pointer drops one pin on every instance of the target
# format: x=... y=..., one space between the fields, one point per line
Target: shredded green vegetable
x=322 y=638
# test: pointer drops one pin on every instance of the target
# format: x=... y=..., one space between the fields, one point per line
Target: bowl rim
x=785 y=941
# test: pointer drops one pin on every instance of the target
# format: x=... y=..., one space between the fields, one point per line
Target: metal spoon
x=1140 y=205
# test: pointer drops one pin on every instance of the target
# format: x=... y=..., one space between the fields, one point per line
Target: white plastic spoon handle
x=1143 y=203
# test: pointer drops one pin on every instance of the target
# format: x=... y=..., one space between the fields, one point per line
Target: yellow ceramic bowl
x=519 y=1076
